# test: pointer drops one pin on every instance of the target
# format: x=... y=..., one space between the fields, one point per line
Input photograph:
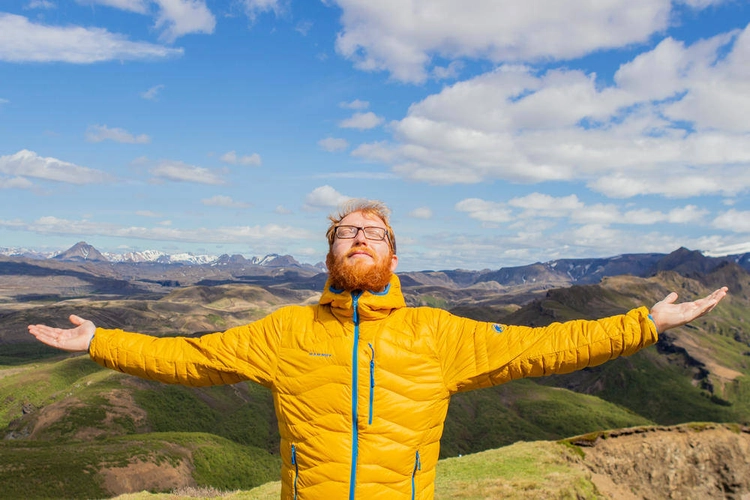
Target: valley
x=53 y=406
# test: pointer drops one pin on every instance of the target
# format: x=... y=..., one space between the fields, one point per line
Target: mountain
x=68 y=420
x=83 y=252
x=79 y=252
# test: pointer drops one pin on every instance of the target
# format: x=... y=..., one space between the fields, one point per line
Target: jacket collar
x=370 y=305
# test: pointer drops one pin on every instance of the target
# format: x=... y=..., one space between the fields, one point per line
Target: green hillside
x=86 y=469
x=69 y=418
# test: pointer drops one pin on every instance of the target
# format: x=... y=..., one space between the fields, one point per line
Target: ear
x=394 y=262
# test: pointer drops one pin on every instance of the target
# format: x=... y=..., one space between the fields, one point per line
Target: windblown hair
x=371 y=208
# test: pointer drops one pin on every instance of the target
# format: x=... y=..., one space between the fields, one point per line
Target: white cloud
x=175 y=18
x=686 y=215
x=324 y=197
x=353 y=174
x=421 y=213
x=229 y=234
x=40 y=4
x=544 y=205
x=99 y=133
x=702 y=4
x=179 y=171
x=403 y=39
x=737 y=221
x=333 y=144
x=4 y=101
x=183 y=17
x=303 y=27
x=629 y=138
x=447 y=72
x=147 y=213
x=27 y=163
x=485 y=211
x=376 y=151
x=152 y=93
x=733 y=249
x=255 y=7
x=362 y=121
x=355 y=104
x=232 y=159
x=137 y=6
x=24 y=41
x=223 y=201
x=533 y=209
x=15 y=182
x=282 y=210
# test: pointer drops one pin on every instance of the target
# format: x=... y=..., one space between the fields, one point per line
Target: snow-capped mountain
x=83 y=252
x=25 y=253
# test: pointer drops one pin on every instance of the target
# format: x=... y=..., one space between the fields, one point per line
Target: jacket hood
x=370 y=305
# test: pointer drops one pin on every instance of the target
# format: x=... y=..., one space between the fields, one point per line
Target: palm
x=72 y=339
x=667 y=314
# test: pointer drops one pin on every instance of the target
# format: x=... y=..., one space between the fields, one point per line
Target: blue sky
x=501 y=133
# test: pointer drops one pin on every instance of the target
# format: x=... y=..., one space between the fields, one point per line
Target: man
x=361 y=382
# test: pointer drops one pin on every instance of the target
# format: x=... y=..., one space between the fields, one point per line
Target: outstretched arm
x=74 y=339
x=666 y=314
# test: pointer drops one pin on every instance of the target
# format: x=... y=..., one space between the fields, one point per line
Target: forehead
x=361 y=219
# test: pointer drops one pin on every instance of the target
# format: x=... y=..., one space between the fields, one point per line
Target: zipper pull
x=372 y=366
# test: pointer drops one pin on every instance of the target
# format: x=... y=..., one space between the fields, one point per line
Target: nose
x=360 y=236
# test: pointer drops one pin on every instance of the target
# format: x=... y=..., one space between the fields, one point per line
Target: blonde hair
x=370 y=208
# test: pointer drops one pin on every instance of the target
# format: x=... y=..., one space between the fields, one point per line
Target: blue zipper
x=417 y=466
x=296 y=469
x=355 y=396
x=372 y=381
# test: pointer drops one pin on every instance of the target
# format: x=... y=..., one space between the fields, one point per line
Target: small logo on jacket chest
x=320 y=354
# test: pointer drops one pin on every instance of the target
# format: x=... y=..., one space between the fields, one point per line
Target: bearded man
x=361 y=383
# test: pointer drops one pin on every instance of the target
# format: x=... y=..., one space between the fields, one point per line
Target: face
x=359 y=263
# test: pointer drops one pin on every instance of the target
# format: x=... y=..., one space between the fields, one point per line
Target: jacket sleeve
x=246 y=352
x=477 y=354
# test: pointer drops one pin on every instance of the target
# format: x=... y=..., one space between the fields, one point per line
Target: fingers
x=45 y=334
x=711 y=301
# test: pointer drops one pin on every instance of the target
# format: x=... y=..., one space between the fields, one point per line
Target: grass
x=659 y=391
x=19 y=354
x=520 y=471
x=71 y=469
x=525 y=411
x=43 y=383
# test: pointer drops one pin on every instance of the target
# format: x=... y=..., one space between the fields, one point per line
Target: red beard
x=347 y=275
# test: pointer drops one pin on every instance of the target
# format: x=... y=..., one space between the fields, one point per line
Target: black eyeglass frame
x=364 y=229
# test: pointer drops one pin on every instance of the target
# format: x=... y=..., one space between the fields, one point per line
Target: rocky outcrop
x=690 y=461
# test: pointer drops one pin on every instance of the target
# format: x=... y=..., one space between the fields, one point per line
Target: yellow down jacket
x=361 y=382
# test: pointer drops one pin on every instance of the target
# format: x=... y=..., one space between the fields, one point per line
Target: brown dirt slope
x=689 y=462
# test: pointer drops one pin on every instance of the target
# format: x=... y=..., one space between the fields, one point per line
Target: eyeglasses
x=371 y=232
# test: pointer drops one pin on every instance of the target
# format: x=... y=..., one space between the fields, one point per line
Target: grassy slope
x=659 y=383
x=525 y=411
x=33 y=469
x=656 y=385
x=522 y=471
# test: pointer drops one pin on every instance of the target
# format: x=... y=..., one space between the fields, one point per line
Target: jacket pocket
x=417 y=468
x=372 y=382
x=296 y=471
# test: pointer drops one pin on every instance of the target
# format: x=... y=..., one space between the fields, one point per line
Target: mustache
x=366 y=250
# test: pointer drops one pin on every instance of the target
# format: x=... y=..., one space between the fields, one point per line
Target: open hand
x=74 y=339
x=667 y=314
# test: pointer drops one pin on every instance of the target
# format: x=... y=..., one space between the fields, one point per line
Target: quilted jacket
x=361 y=382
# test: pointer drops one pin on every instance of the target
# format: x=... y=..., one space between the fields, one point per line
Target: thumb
x=669 y=299
x=76 y=320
